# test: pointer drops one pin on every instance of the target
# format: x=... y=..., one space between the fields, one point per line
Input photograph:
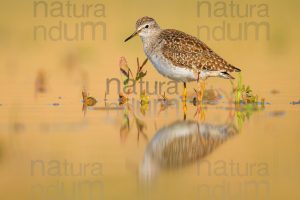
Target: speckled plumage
x=180 y=56
x=188 y=51
x=143 y=20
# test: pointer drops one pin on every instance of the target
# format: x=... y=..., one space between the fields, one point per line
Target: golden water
x=51 y=149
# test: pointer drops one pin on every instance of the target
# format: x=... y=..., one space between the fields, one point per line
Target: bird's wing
x=185 y=50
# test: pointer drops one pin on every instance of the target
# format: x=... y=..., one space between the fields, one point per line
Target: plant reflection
x=40 y=82
x=126 y=125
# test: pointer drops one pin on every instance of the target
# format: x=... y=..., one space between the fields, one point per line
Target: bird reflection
x=182 y=143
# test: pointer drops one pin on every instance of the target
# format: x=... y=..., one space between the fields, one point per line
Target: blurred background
x=30 y=44
x=49 y=53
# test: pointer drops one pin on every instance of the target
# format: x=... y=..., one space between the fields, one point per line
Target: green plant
x=127 y=72
x=243 y=94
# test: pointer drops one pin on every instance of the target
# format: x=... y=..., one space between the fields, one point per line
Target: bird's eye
x=147 y=26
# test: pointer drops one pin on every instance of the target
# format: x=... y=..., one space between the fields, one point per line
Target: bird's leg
x=184 y=92
x=184 y=108
x=200 y=110
x=201 y=92
x=184 y=96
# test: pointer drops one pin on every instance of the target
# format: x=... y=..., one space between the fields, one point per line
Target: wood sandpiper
x=179 y=56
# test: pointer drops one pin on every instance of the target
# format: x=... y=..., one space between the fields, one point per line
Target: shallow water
x=54 y=147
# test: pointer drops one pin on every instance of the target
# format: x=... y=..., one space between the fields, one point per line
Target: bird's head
x=145 y=27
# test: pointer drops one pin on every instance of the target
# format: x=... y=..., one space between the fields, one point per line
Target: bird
x=179 y=56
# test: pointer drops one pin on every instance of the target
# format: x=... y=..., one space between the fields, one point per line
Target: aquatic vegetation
x=125 y=70
x=244 y=111
x=144 y=102
x=140 y=73
x=144 y=98
x=163 y=106
x=163 y=97
x=91 y=101
x=122 y=99
x=243 y=94
x=141 y=126
x=127 y=74
x=125 y=126
x=242 y=115
x=88 y=100
x=144 y=108
x=165 y=103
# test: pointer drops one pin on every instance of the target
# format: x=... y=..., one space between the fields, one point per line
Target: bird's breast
x=166 y=68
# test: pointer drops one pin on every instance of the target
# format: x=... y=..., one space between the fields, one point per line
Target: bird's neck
x=149 y=42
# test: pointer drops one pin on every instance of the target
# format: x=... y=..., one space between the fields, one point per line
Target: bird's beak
x=132 y=35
